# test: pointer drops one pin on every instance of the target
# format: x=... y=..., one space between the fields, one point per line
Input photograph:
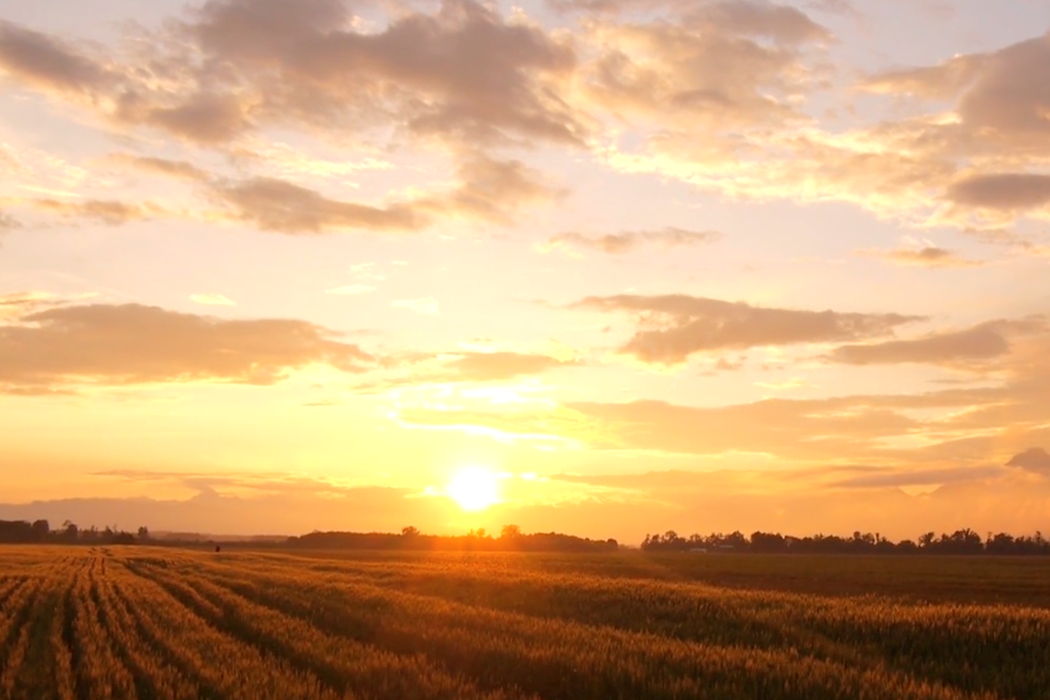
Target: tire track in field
x=222 y=665
x=350 y=663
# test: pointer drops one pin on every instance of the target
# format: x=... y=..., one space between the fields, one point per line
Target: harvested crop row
x=970 y=647
x=222 y=665
x=556 y=659
x=340 y=661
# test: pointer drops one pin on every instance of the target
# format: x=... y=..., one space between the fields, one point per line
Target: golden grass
x=143 y=623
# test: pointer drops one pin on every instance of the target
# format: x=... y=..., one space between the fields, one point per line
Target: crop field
x=142 y=622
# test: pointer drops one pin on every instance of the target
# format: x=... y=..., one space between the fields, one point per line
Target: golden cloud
x=674 y=327
x=101 y=344
x=625 y=241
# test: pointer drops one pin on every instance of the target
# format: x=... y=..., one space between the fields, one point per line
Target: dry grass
x=79 y=624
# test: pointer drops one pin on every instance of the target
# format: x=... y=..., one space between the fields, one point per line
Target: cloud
x=898 y=478
x=351 y=290
x=101 y=344
x=462 y=73
x=426 y=306
x=46 y=62
x=180 y=169
x=212 y=300
x=1002 y=191
x=103 y=211
x=722 y=66
x=673 y=327
x=978 y=162
x=8 y=223
x=986 y=341
x=17 y=304
x=275 y=205
x=625 y=241
x=488 y=190
x=465 y=368
x=496 y=366
x=204 y=117
x=492 y=190
x=1035 y=459
x=949 y=428
x=783 y=429
x=929 y=256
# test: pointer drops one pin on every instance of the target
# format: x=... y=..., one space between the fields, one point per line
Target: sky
x=608 y=267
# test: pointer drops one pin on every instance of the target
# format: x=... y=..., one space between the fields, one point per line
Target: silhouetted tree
x=510 y=532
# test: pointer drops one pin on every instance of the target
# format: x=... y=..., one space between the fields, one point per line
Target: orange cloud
x=171 y=168
x=1034 y=459
x=1012 y=192
x=469 y=367
x=674 y=327
x=132 y=344
x=109 y=212
x=986 y=341
x=929 y=256
x=283 y=207
x=625 y=241
x=48 y=63
x=212 y=300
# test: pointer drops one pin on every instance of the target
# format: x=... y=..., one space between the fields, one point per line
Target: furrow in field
x=154 y=678
x=558 y=659
x=223 y=666
x=98 y=670
x=342 y=663
x=14 y=633
x=61 y=635
x=9 y=585
x=32 y=669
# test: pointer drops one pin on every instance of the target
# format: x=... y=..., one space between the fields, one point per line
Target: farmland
x=78 y=623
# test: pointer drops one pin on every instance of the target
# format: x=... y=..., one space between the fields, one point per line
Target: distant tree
x=143 y=533
x=510 y=532
x=41 y=530
x=926 y=539
x=409 y=531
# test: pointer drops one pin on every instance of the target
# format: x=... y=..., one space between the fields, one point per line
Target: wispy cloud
x=626 y=241
x=212 y=300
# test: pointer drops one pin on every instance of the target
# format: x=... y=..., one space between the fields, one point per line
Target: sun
x=473 y=488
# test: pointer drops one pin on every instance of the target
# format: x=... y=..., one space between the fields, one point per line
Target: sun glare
x=473 y=488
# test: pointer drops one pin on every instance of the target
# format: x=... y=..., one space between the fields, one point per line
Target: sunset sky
x=636 y=265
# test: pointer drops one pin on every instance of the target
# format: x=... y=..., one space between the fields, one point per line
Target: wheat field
x=144 y=623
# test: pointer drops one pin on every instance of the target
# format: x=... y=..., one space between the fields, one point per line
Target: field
x=138 y=622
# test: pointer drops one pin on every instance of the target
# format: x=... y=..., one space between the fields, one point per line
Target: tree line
x=40 y=532
x=510 y=539
x=964 y=541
